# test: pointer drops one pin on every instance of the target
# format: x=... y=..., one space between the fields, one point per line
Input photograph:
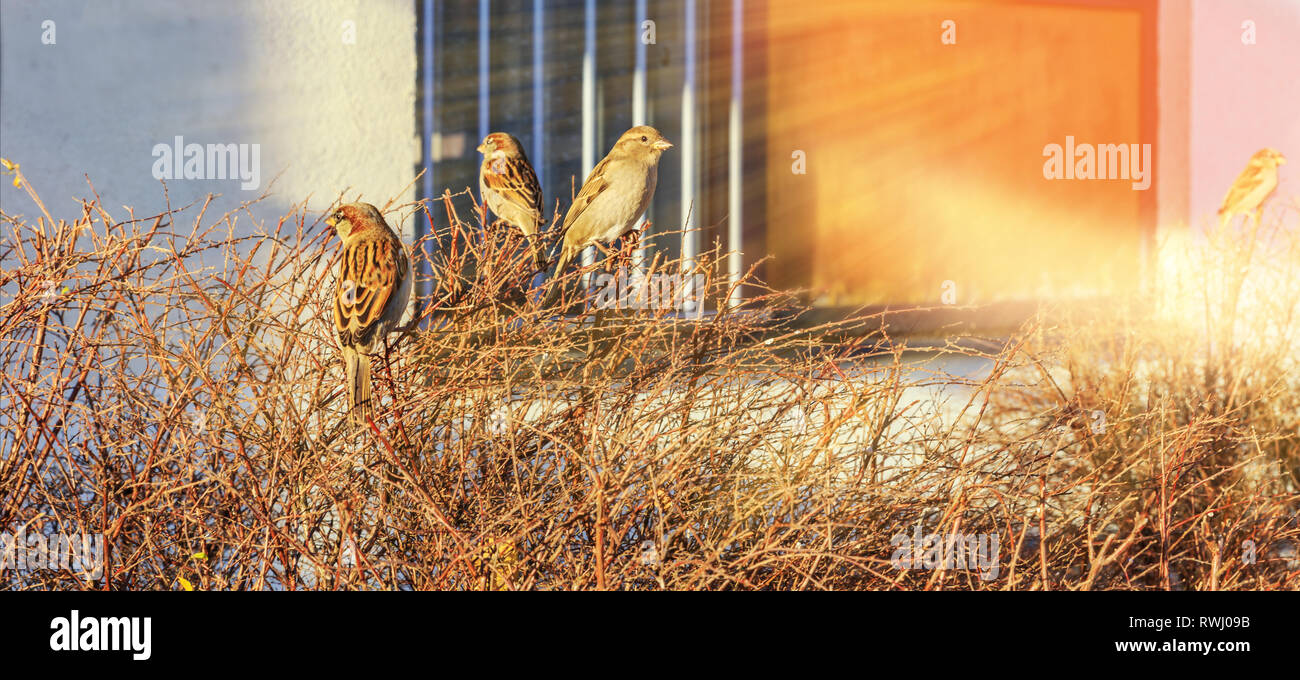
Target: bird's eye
x=644 y=139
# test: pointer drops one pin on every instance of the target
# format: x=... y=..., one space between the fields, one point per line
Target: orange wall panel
x=925 y=160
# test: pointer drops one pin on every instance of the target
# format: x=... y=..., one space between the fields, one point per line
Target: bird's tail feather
x=539 y=256
x=553 y=294
x=359 y=405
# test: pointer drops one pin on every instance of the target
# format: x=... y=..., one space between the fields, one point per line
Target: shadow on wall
x=90 y=89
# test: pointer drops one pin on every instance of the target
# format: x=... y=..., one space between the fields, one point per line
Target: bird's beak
x=329 y=221
x=662 y=145
x=482 y=148
x=1281 y=160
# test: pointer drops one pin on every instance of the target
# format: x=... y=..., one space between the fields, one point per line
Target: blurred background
x=873 y=152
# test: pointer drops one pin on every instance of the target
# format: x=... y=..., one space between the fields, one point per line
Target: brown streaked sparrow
x=615 y=195
x=510 y=189
x=1252 y=186
x=372 y=289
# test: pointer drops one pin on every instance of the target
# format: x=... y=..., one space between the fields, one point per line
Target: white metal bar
x=639 y=114
x=484 y=68
x=428 y=98
x=735 y=151
x=690 y=237
x=639 y=74
x=588 y=103
x=539 y=83
x=429 y=122
x=589 y=89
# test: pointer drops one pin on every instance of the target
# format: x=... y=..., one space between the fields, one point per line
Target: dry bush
x=178 y=388
x=1168 y=426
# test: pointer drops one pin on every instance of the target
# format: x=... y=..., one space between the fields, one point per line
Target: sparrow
x=510 y=189
x=1252 y=187
x=372 y=289
x=615 y=195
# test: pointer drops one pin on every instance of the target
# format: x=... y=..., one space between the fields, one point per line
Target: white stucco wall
x=125 y=75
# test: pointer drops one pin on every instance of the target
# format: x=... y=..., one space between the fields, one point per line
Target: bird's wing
x=597 y=182
x=1246 y=183
x=516 y=182
x=368 y=278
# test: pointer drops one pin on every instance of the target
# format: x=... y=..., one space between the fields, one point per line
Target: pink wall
x=1243 y=97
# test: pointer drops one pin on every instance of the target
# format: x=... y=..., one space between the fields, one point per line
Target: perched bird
x=1252 y=187
x=371 y=292
x=510 y=189
x=615 y=195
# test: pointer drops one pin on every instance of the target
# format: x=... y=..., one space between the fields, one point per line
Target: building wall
x=125 y=75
